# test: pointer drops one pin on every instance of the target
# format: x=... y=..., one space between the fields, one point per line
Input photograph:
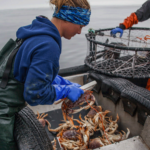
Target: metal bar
x=131 y=67
x=89 y=86
x=132 y=28
x=120 y=47
x=144 y=42
x=99 y=62
x=129 y=36
x=133 y=63
x=95 y=52
x=123 y=64
x=97 y=57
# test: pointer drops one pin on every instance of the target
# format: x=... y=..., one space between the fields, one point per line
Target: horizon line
x=28 y=7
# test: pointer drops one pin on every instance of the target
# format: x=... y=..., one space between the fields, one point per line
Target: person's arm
x=144 y=12
x=129 y=22
x=42 y=71
x=38 y=88
x=140 y=15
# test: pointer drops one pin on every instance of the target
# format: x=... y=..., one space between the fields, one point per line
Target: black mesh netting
x=128 y=56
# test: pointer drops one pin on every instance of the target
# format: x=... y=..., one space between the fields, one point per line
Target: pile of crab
x=77 y=137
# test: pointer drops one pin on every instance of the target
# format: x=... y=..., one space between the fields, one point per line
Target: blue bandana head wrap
x=74 y=15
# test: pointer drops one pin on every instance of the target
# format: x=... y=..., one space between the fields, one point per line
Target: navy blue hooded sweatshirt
x=37 y=61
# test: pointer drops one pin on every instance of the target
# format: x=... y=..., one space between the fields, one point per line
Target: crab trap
x=128 y=56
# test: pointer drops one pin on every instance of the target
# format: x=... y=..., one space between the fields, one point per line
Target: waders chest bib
x=11 y=95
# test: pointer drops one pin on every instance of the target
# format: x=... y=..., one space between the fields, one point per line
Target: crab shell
x=95 y=143
x=92 y=112
x=43 y=122
x=71 y=134
x=86 y=96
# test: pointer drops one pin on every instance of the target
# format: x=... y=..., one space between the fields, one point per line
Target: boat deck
x=135 y=143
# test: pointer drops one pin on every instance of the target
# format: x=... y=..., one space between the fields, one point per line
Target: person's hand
x=74 y=93
x=116 y=30
x=70 y=91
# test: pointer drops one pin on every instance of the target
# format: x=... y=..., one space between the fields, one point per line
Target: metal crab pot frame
x=122 y=57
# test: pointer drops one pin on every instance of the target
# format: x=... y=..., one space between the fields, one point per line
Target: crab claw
x=70 y=120
x=64 y=111
x=79 y=122
x=80 y=117
x=38 y=115
x=42 y=121
x=128 y=132
x=117 y=118
x=125 y=135
x=106 y=112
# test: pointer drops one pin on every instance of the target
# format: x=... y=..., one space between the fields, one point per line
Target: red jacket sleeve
x=140 y=15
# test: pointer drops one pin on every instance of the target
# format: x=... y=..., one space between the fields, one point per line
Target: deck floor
x=135 y=143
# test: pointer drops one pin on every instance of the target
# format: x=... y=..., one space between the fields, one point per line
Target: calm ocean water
x=74 y=50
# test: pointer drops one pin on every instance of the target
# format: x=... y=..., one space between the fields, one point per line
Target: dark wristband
x=122 y=26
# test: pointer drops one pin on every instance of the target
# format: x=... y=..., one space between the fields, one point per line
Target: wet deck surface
x=134 y=143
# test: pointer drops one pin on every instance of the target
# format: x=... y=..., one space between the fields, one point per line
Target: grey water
x=74 y=50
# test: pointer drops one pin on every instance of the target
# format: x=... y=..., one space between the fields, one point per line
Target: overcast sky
x=13 y=4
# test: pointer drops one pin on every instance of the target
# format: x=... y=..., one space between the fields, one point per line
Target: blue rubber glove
x=70 y=91
x=61 y=81
x=116 y=30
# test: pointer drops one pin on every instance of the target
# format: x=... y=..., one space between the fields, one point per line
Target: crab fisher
x=142 y=14
x=33 y=77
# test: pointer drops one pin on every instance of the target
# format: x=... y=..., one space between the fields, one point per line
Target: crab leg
x=85 y=107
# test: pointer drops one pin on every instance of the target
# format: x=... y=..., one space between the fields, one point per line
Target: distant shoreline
x=43 y=7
